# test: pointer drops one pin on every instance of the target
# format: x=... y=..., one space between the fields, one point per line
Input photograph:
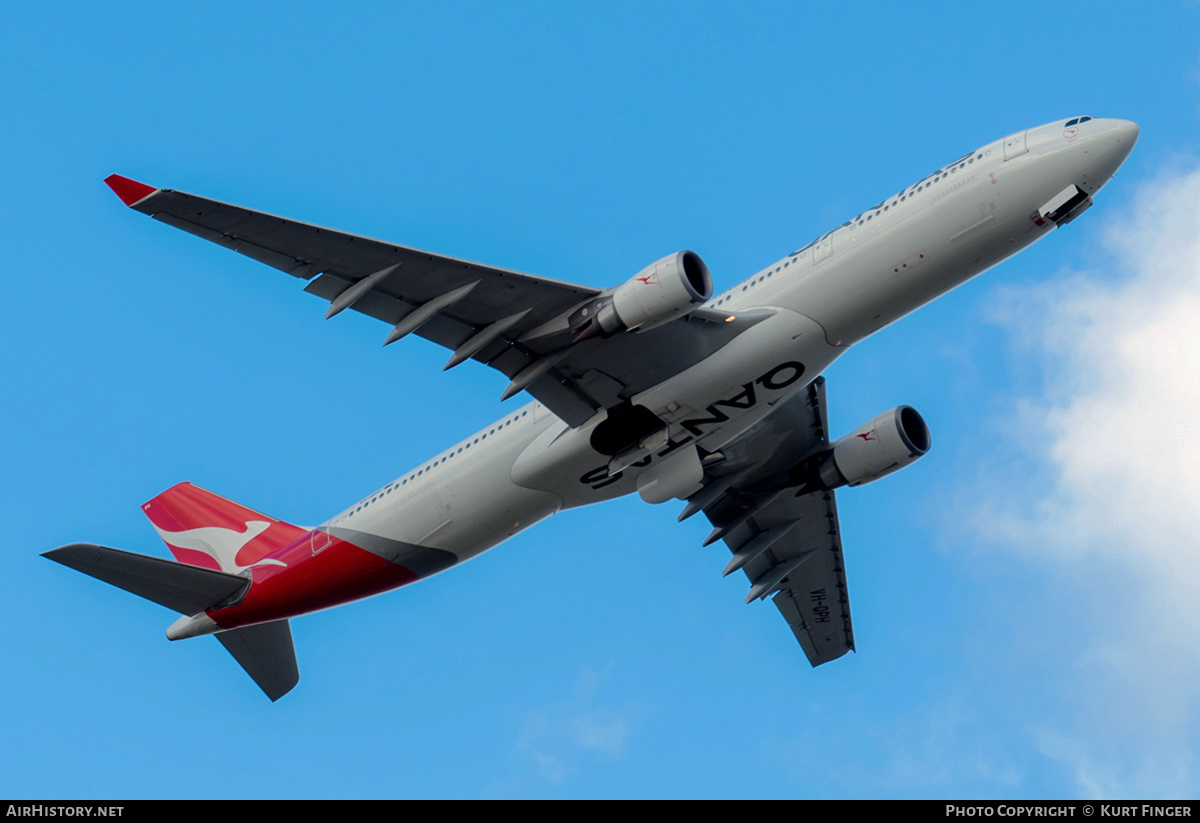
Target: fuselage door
x=1014 y=146
x=320 y=539
x=822 y=248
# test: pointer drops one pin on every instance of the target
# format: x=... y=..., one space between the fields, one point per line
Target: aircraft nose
x=1118 y=139
x=1123 y=134
x=1108 y=145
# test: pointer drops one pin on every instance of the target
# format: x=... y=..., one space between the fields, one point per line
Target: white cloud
x=1115 y=436
x=554 y=736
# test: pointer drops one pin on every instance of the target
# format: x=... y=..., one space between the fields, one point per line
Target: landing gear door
x=1014 y=146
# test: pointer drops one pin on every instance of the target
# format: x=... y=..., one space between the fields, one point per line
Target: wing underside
x=513 y=322
x=788 y=544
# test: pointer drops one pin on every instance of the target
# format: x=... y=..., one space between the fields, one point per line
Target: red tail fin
x=204 y=529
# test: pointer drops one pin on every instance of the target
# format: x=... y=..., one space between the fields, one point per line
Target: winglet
x=130 y=191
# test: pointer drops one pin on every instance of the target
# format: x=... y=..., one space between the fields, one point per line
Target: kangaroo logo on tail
x=220 y=544
x=205 y=529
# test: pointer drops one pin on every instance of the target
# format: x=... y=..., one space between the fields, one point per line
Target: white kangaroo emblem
x=220 y=544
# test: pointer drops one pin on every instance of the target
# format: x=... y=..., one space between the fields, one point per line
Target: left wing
x=514 y=322
x=788 y=543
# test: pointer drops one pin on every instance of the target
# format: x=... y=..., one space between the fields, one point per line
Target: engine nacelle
x=887 y=443
x=659 y=293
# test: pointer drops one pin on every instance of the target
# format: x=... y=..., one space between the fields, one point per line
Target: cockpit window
x=1077 y=121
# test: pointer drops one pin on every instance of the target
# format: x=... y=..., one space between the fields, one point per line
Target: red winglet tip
x=130 y=191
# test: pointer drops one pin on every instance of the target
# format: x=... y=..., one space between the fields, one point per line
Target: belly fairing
x=705 y=406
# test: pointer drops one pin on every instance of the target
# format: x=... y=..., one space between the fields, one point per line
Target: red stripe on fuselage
x=337 y=574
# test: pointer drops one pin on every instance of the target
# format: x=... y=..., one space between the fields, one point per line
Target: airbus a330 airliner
x=654 y=386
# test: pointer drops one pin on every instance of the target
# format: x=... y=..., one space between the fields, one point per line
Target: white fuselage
x=820 y=300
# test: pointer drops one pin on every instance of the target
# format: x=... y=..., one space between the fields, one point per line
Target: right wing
x=788 y=545
x=511 y=321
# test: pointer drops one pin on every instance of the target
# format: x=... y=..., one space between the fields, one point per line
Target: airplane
x=654 y=386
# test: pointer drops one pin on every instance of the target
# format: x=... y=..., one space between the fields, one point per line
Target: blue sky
x=1022 y=597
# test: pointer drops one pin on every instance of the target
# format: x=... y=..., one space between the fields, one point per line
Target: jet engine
x=659 y=293
x=886 y=443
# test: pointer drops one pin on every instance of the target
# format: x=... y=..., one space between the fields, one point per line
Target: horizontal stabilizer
x=185 y=589
x=266 y=653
